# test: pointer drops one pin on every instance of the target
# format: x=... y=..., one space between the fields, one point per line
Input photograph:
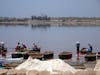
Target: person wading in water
x=78 y=49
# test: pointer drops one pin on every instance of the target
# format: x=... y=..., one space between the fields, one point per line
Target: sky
x=52 y=8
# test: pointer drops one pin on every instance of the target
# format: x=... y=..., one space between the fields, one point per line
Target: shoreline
x=71 y=21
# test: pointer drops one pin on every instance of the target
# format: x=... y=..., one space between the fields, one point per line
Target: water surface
x=55 y=38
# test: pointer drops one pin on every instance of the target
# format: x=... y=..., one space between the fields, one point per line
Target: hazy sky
x=62 y=8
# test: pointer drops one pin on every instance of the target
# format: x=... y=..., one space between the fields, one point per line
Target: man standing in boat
x=78 y=49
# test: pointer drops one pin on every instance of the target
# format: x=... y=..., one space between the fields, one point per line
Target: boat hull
x=48 y=55
x=90 y=57
x=65 y=55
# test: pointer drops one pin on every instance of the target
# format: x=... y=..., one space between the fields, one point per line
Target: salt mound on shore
x=49 y=65
x=41 y=66
x=60 y=65
x=97 y=66
x=28 y=63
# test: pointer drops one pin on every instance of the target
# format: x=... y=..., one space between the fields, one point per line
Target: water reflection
x=11 y=25
x=40 y=26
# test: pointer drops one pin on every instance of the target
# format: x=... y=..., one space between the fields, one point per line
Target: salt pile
x=60 y=65
x=28 y=63
x=97 y=68
x=88 y=71
x=52 y=66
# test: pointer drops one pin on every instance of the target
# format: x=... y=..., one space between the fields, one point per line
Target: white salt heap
x=28 y=63
x=55 y=67
x=41 y=66
x=97 y=68
x=60 y=65
x=52 y=66
x=88 y=71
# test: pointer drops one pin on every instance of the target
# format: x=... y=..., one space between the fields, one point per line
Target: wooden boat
x=65 y=55
x=98 y=56
x=31 y=51
x=21 y=49
x=90 y=57
x=48 y=55
x=25 y=56
x=83 y=51
x=17 y=54
x=36 y=50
